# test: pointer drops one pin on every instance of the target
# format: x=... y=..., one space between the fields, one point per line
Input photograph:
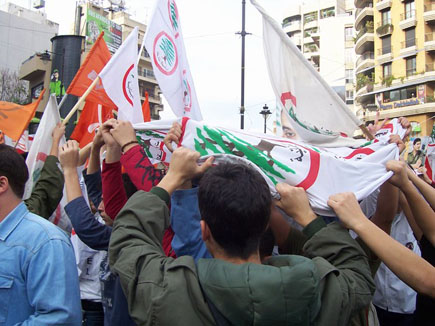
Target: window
x=349 y=76
x=409 y=9
x=400 y=94
x=410 y=37
x=387 y=69
x=328 y=12
x=386 y=17
x=36 y=90
x=348 y=55
x=349 y=97
x=411 y=66
x=386 y=45
x=348 y=33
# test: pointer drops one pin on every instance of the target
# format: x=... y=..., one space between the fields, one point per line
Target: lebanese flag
x=164 y=42
x=146 y=109
x=120 y=80
x=25 y=142
x=95 y=61
x=14 y=118
x=84 y=131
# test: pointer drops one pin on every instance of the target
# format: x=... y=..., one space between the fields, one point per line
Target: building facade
x=22 y=33
x=310 y=27
x=395 y=45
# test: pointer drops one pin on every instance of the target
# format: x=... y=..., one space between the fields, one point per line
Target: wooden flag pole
x=366 y=132
x=80 y=101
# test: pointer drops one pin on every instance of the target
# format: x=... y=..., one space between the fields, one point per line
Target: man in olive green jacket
x=327 y=287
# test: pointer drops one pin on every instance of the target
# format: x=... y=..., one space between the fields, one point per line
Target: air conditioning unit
x=38 y=4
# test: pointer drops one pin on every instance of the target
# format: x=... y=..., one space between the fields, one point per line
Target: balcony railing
x=365 y=56
x=364 y=6
x=368 y=28
x=291 y=23
x=408 y=43
x=384 y=28
x=146 y=73
x=385 y=50
x=407 y=15
x=309 y=18
x=429 y=37
x=429 y=7
x=411 y=72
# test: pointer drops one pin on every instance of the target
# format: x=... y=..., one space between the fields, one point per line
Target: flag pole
x=62 y=100
x=80 y=101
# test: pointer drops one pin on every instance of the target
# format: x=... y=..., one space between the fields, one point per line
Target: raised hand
x=347 y=209
x=173 y=135
x=69 y=155
x=294 y=201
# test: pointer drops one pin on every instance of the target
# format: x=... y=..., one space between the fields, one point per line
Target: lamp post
x=265 y=112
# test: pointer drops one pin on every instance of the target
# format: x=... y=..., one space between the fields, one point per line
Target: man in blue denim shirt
x=38 y=277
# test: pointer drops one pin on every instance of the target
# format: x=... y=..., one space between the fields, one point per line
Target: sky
x=214 y=54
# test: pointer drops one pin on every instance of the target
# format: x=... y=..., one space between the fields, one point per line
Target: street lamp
x=265 y=112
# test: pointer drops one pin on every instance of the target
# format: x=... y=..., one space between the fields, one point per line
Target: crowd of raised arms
x=206 y=244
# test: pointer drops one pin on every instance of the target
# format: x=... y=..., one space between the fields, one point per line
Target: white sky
x=214 y=54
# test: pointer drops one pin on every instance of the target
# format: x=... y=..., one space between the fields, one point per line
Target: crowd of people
x=206 y=244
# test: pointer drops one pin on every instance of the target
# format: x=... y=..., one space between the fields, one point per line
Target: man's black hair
x=234 y=200
x=416 y=140
x=13 y=167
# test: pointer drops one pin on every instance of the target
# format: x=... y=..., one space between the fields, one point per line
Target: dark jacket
x=332 y=286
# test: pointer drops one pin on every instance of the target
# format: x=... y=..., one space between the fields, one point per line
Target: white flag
x=39 y=151
x=320 y=171
x=120 y=80
x=164 y=42
x=316 y=112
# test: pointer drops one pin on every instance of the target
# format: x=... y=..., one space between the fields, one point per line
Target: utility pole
x=243 y=33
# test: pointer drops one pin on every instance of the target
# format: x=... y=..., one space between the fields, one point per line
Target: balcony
x=383 y=4
x=408 y=48
x=430 y=67
x=384 y=29
x=408 y=19
x=310 y=20
x=296 y=40
x=146 y=74
x=429 y=42
x=364 y=40
x=361 y=14
x=385 y=54
x=365 y=60
x=429 y=12
x=292 y=26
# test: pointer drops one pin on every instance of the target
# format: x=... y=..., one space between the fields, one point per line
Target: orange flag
x=84 y=132
x=94 y=62
x=14 y=118
x=146 y=109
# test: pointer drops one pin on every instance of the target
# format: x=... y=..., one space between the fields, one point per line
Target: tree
x=12 y=89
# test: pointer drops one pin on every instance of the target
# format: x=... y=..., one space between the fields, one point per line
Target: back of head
x=234 y=201
x=13 y=167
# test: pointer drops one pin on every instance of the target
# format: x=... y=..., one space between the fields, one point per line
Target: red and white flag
x=120 y=80
x=315 y=111
x=430 y=161
x=164 y=42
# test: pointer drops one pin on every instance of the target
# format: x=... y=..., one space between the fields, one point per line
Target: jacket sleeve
x=294 y=243
x=94 y=234
x=114 y=194
x=157 y=287
x=48 y=190
x=139 y=168
x=93 y=185
x=185 y=221
x=347 y=285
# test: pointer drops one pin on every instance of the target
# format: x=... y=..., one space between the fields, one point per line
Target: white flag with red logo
x=120 y=80
x=164 y=42
x=39 y=151
x=318 y=115
x=430 y=161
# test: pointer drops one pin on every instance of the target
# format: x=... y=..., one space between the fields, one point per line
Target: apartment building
x=395 y=45
x=324 y=32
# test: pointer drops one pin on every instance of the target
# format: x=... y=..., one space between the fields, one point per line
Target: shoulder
x=39 y=231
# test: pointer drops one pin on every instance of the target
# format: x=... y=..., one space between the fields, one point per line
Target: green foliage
x=387 y=81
